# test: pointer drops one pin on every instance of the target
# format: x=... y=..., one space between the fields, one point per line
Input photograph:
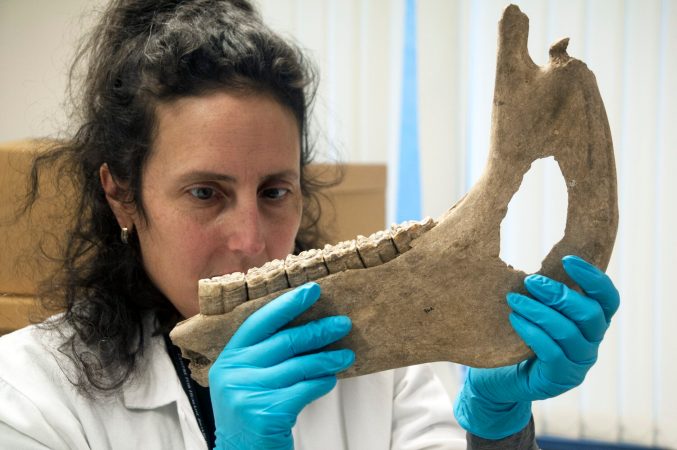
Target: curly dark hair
x=141 y=53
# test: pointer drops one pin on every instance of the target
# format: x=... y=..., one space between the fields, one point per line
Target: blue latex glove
x=264 y=377
x=564 y=329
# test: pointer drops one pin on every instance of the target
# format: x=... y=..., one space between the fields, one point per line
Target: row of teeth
x=220 y=295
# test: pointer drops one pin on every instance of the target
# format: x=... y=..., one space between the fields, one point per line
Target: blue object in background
x=554 y=443
x=409 y=171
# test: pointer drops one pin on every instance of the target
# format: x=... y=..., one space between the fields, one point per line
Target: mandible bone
x=442 y=295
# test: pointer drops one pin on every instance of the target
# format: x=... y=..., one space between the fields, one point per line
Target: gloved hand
x=564 y=329
x=264 y=377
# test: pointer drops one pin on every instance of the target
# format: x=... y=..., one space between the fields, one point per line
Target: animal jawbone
x=435 y=291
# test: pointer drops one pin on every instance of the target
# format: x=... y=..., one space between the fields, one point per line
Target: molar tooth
x=342 y=256
x=267 y=279
x=256 y=284
x=306 y=266
x=210 y=294
x=234 y=290
x=427 y=223
x=376 y=249
x=404 y=233
x=385 y=245
x=276 y=276
x=401 y=237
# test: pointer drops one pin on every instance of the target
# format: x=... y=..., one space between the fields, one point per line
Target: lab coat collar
x=155 y=383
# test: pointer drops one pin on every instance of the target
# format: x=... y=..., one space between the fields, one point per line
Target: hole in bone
x=536 y=217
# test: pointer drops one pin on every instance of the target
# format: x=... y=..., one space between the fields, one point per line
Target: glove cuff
x=242 y=441
x=489 y=420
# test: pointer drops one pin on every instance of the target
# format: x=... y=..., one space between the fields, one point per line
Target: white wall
x=631 y=45
x=37 y=41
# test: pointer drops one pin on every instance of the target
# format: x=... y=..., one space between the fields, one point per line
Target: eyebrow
x=205 y=175
x=202 y=175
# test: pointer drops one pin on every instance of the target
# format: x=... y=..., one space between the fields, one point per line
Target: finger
x=301 y=394
x=306 y=367
x=595 y=283
x=585 y=312
x=560 y=328
x=288 y=343
x=545 y=348
x=266 y=321
x=551 y=373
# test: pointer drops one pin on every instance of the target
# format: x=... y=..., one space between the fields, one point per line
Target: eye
x=275 y=193
x=202 y=193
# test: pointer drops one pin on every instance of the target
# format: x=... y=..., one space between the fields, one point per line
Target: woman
x=190 y=163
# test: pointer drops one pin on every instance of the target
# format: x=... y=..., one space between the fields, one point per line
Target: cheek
x=281 y=235
x=191 y=248
x=174 y=252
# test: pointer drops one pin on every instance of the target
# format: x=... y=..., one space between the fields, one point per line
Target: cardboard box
x=17 y=312
x=356 y=205
x=27 y=241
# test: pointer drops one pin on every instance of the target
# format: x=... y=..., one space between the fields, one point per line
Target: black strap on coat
x=197 y=395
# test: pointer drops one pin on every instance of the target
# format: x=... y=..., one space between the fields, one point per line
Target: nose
x=245 y=233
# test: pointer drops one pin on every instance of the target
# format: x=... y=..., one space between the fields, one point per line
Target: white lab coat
x=401 y=409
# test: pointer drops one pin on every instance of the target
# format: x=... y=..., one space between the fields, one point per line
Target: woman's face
x=221 y=191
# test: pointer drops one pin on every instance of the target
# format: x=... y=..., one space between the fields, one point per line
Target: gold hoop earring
x=124 y=235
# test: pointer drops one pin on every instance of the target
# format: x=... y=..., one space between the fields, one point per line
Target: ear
x=118 y=198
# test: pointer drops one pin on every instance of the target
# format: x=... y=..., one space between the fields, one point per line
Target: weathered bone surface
x=424 y=292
